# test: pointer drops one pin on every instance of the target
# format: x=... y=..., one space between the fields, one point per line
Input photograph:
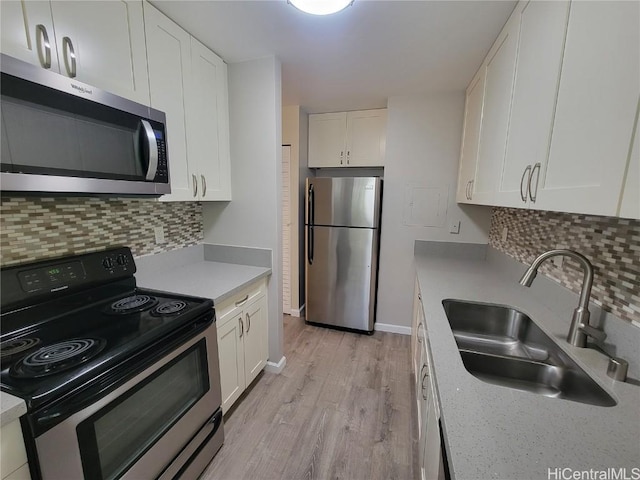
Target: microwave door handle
x=152 y=149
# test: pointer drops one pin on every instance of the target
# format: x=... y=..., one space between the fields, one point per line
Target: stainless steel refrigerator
x=342 y=236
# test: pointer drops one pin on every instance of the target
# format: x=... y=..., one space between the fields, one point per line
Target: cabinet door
x=169 y=59
x=208 y=121
x=12 y=450
x=327 y=139
x=256 y=338
x=495 y=112
x=471 y=136
x=630 y=202
x=231 y=357
x=415 y=327
x=106 y=38
x=543 y=26
x=366 y=138
x=431 y=460
x=26 y=30
x=595 y=112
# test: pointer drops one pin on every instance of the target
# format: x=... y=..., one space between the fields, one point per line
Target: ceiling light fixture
x=320 y=7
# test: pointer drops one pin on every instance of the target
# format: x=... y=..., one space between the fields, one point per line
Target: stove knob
x=107 y=263
x=122 y=260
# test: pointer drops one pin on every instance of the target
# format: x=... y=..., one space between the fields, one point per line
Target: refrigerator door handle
x=311 y=214
x=310 y=244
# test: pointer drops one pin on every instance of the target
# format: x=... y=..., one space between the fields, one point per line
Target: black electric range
x=65 y=322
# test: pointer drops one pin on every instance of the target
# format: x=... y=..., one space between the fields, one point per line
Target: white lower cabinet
x=242 y=340
x=429 y=445
x=13 y=456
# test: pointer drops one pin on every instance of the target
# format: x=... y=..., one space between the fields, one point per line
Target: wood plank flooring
x=341 y=409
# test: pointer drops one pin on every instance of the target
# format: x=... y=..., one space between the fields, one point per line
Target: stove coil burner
x=132 y=304
x=169 y=308
x=57 y=357
x=14 y=347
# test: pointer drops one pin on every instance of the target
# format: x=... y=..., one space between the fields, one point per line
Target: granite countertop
x=11 y=408
x=502 y=433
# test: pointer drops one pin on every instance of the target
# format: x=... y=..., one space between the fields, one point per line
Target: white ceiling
x=354 y=59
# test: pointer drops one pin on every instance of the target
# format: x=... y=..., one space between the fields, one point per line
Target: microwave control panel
x=162 y=174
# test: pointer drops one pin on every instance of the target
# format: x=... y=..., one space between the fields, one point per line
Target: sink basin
x=503 y=346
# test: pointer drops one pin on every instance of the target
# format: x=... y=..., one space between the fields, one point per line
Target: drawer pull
x=242 y=302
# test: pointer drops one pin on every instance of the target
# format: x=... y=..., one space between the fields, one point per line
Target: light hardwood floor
x=341 y=409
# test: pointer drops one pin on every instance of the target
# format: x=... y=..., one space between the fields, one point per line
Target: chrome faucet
x=580 y=327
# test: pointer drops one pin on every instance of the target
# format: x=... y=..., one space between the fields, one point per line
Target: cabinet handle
x=248 y=322
x=468 y=190
x=423 y=386
x=69 y=55
x=195 y=184
x=523 y=194
x=471 y=182
x=204 y=185
x=419 y=336
x=348 y=156
x=241 y=326
x=341 y=157
x=42 y=40
x=241 y=302
x=531 y=195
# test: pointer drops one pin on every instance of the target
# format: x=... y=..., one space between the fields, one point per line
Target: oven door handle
x=185 y=457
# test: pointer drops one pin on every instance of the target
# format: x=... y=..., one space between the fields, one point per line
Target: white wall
x=423 y=149
x=253 y=217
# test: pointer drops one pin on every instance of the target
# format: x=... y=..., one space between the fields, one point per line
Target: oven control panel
x=48 y=277
x=51 y=277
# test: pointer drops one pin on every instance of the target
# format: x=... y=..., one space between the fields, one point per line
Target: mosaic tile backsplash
x=37 y=228
x=611 y=244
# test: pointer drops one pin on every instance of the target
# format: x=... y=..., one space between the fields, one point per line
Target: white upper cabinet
x=169 y=56
x=630 y=201
x=27 y=32
x=327 y=139
x=595 y=112
x=366 y=138
x=208 y=121
x=100 y=43
x=500 y=70
x=348 y=139
x=189 y=83
x=543 y=26
x=560 y=99
x=103 y=44
x=471 y=136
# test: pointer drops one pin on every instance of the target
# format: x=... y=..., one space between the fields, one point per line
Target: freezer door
x=349 y=202
x=341 y=276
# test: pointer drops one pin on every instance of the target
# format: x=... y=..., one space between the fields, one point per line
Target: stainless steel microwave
x=66 y=137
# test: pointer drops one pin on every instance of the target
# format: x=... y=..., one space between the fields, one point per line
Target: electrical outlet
x=505 y=234
x=454 y=227
x=159 y=234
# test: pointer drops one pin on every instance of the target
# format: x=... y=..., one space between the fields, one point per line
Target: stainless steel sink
x=503 y=346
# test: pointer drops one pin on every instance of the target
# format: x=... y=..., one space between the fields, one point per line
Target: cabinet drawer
x=230 y=307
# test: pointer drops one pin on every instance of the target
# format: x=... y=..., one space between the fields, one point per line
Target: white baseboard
x=386 y=327
x=297 y=312
x=273 y=367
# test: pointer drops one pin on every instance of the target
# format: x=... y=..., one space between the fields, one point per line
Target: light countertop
x=11 y=408
x=502 y=433
x=188 y=273
x=214 y=280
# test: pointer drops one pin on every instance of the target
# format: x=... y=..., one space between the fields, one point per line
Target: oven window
x=116 y=436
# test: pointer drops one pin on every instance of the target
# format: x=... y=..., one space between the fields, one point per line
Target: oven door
x=159 y=420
